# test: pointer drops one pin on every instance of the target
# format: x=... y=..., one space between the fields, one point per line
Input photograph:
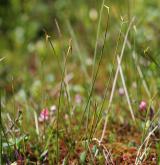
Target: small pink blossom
x=78 y=99
x=44 y=115
x=143 y=105
x=121 y=91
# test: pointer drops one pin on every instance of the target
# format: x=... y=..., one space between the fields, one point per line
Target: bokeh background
x=30 y=77
x=22 y=23
x=29 y=64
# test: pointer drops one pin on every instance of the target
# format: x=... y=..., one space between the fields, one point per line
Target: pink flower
x=143 y=105
x=78 y=99
x=44 y=115
x=121 y=91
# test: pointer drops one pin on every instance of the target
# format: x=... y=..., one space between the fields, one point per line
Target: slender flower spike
x=44 y=115
x=143 y=106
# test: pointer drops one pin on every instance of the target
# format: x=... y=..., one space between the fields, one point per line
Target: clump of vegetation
x=80 y=82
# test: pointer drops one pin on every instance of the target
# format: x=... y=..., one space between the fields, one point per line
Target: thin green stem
x=62 y=69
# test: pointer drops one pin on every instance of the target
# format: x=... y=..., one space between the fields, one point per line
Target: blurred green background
x=30 y=74
x=26 y=53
